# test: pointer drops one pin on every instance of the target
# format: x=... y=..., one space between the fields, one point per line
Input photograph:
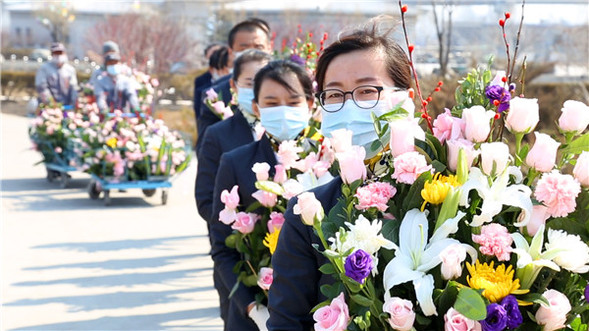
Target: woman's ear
x=232 y=84
x=255 y=108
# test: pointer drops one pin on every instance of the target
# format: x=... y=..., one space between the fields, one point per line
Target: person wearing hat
x=113 y=89
x=107 y=48
x=56 y=81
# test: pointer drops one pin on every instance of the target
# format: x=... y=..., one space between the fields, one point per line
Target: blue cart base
x=56 y=171
x=98 y=185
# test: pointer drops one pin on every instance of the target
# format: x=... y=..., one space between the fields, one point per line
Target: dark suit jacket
x=297 y=279
x=220 y=138
x=235 y=169
x=201 y=83
x=207 y=118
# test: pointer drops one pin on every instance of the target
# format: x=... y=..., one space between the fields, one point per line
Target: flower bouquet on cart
x=460 y=230
x=302 y=164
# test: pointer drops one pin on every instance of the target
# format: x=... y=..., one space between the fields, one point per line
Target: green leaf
x=361 y=300
x=471 y=304
x=269 y=186
x=535 y=298
x=413 y=198
x=577 y=146
x=448 y=297
x=390 y=230
x=327 y=269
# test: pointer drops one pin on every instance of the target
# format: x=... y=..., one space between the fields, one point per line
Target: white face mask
x=60 y=59
x=284 y=122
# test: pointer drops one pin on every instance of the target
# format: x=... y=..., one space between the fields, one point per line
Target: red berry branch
x=410 y=47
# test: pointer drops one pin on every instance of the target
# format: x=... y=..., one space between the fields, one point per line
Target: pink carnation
x=245 y=222
x=288 y=153
x=408 y=166
x=494 y=240
x=448 y=127
x=275 y=222
x=558 y=192
x=375 y=195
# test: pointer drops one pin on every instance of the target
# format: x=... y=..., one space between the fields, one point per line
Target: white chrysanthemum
x=572 y=253
x=364 y=235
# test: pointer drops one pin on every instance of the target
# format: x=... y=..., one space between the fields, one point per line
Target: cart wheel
x=65 y=179
x=164 y=197
x=93 y=190
x=148 y=192
x=107 y=197
x=50 y=175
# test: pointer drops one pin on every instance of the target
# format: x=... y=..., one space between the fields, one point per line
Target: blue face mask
x=113 y=69
x=355 y=119
x=284 y=122
x=245 y=97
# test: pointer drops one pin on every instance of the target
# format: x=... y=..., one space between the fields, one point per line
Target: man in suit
x=251 y=33
x=223 y=137
x=203 y=81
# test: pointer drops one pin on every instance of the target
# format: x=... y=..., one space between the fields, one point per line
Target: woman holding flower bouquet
x=283 y=99
x=362 y=73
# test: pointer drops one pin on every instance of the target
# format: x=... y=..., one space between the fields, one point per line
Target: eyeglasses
x=364 y=96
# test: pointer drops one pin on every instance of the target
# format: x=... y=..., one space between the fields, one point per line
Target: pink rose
x=395 y=98
x=523 y=115
x=455 y=321
x=334 y=317
x=351 y=164
x=537 y=219
x=267 y=199
x=574 y=117
x=401 y=313
x=375 y=195
x=581 y=170
x=280 y=175
x=448 y=127
x=211 y=95
x=292 y=188
x=341 y=140
x=494 y=156
x=230 y=199
x=409 y=166
x=558 y=192
x=245 y=222
x=227 y=216
x=553 y=317
x=265 y=278
x=321 y=168
x=219 y=107
x=307 y=163
x=288 y=153
x=309 y=208
x=261 y=170
x=58 y=150
x=477 y=123
x=454 y=147
x=275 y=222
x=403 y=135
x=452 y=256
x=542 y=155
x=495 y=240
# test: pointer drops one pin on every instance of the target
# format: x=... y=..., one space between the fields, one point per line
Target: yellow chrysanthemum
x=496 y=283
x=435 y=191
x=112 y=142
x=271 y=240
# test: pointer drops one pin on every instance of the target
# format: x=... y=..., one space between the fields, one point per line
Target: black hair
x=208 y=48
x=220 y=58
x=369 y=37
x=276 y=70
x=250 y=55
x=249 y=25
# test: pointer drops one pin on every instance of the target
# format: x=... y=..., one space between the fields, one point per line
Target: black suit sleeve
x=208 y=162
x=294 y=290
x=224 y=257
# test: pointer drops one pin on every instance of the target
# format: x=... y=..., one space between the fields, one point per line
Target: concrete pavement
x=70 y=263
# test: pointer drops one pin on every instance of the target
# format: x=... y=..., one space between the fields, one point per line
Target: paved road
x=70 y=263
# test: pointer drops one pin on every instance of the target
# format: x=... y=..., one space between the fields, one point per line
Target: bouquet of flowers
x=216 y=105
x=146 y=87
x=457 y=232
x=50 y=133
x=302 y=165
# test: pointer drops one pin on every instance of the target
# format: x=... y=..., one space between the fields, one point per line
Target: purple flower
x=496 y=318
x=514 y=316
x=297 y=59
x=358 y=265
x=587 y=293
x=499 y=94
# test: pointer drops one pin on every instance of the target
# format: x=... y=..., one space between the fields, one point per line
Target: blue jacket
x=235 y=169
x=220 y=138
x=201 y=83
x=207 y=118
x=297 y=279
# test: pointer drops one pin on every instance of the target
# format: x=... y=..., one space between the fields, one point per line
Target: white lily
x=529 y=258
x=414 y=256
x=496 y=194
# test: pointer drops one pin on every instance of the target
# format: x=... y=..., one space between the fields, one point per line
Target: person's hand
x=259 y=314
